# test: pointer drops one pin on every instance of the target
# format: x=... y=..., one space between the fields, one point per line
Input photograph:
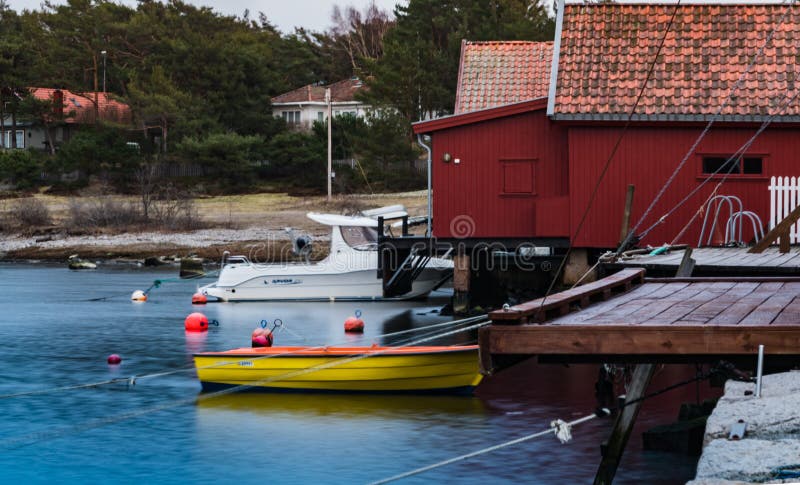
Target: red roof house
x=79 y=108
x=526 y=170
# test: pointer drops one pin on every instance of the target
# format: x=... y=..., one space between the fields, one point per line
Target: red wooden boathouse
x=522 y=155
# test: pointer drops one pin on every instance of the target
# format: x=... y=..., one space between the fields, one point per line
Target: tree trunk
x=164 y=135
x=2 y=120
x=13 y=125
x=50 y=140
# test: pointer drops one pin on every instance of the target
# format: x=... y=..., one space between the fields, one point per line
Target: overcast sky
x=285 y=14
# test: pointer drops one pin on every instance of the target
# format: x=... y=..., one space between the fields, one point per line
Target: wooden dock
x=719 y=262
x=627 y=318
x=655 y=320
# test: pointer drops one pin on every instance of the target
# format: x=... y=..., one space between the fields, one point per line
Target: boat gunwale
x=298 y=352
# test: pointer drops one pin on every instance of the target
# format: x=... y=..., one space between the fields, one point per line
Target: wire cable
x=690 y=152
x=614 y=149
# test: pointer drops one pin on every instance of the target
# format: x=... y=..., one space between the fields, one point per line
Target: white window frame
x=6 y=141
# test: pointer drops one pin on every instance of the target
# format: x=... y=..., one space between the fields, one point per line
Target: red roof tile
x=606 y=50
x=504 y=72
x=340 y=92
x=81 y=106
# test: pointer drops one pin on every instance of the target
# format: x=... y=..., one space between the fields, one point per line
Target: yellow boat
x=431 y=369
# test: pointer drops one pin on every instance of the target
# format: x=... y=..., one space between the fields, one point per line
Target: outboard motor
x=301 y=245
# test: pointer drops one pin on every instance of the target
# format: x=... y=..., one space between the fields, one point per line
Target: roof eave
x=471 y=117
x=683 y=118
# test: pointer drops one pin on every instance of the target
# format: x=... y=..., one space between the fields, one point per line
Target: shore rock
x=772 y=439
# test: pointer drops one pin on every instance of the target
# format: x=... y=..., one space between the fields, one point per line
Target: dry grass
x=238 y=211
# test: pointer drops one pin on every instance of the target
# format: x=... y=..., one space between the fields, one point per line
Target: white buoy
x=139 y=296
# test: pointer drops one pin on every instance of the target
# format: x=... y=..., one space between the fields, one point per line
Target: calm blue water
x=51 y=337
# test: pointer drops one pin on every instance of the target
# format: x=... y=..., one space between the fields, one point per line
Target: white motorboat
x=349 y=272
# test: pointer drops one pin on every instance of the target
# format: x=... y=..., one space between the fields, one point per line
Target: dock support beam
x=461 y=277
x=623 y=425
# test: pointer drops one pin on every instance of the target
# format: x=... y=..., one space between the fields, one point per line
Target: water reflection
x=361 y=406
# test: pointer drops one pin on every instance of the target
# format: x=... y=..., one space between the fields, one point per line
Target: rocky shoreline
x=259 y=244
x=769 y=451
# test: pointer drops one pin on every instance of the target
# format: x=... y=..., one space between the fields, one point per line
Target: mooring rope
x=66 y=388
x=156 y=284
x=561 y=429
x=97 y=423
x=557 y=427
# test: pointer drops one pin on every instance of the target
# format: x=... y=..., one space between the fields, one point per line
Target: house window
x=320 y=116
x=5 y=142
x=518 y=177
x=291 y=117
x=721 y=165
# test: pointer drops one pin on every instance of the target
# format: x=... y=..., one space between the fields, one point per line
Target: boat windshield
x=360 y=238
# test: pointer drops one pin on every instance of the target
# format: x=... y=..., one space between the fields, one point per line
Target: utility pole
x=330 y=152
x=104 y=70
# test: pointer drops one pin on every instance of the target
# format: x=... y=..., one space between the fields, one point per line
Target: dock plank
x=768 y=311
x=642 y=291
x=712 y=308
x=790 y=315
x=723 y=260
x=738 y=310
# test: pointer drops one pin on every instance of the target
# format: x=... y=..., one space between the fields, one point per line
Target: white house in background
x=303 y=106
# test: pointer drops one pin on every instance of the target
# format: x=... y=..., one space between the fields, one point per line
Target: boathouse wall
x=500 y=178
x=647 y=157
x=522 y=175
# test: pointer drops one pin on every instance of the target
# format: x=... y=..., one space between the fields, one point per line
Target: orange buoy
x=262 y=337
x=199 y=299
x=354 y=324
x=196 y=322
x=114 y=359
x=139 y=296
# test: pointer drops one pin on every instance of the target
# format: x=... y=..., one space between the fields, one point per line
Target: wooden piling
x=461 y=277
x=623 y=425
x=626 y=216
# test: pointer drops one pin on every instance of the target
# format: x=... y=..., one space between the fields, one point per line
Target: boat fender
x=139 y=296
x=196 y=322
x=114 y=359
x=354 y=324
x=199 y=299
x=262 y=337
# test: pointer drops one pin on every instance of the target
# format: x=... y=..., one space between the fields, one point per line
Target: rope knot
x=562 y=430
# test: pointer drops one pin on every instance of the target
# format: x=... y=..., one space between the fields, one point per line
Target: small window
x=291 y=117
x=518 y=177
x=20 y=136
x=722 y=165
x=360 y=237
x=320 y=116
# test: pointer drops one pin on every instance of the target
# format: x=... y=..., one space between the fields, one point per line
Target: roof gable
x=341 y=91
x=498 y=73
x=606 y=49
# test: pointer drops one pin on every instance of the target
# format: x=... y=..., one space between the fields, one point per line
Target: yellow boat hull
x=368 y=369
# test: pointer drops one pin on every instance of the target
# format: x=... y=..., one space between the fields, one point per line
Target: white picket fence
x=784 y=195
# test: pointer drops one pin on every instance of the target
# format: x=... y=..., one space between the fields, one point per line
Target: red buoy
x=354 y=325
x=199 y=299
x=262 y=337
x=114 y=359
x=196 y=322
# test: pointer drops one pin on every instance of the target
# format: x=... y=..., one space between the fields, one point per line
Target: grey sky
x=285 y=14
